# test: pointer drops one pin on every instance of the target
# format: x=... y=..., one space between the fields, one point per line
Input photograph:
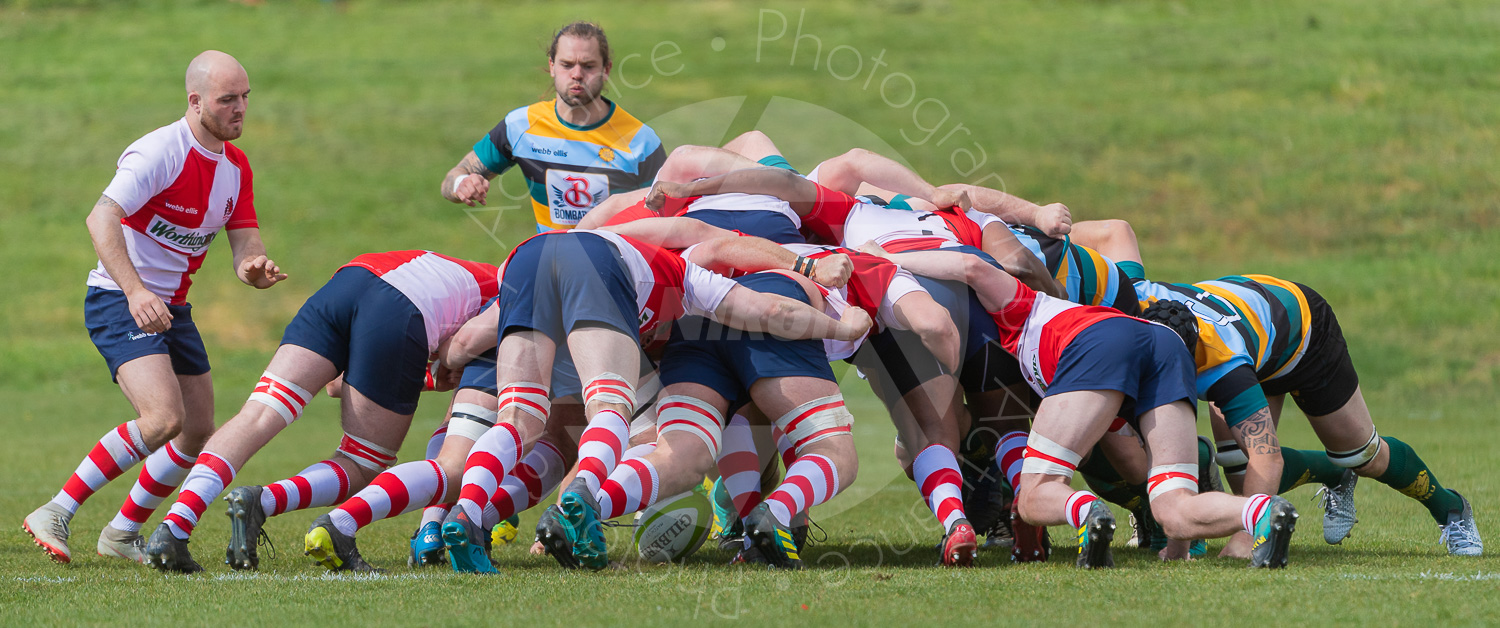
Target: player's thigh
x=303 y=367
x=1171 y=434
x=598 y=349
x=365 y=419
x=198 y=407
x=151 y=387
x=1347 y=428
x=525 y=356
x=1075 y=420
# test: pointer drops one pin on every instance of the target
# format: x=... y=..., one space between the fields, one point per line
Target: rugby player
x=1259 y=338
x=604 y=296
x=574 y=150
x=1090 y=365
x=375 y=323
x=174 y=190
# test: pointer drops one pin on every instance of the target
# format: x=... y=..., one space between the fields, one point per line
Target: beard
x=589 y=95
x=221 y=131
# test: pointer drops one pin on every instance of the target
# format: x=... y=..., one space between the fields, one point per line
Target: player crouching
x=1091 y=364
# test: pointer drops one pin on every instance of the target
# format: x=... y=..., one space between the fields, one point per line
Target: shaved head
x=217 y=89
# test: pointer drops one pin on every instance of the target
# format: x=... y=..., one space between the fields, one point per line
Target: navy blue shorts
x=1147 y=362
x=555 y=282
x=106 y=313
x=729 y=360
x=773 y=226
x=371 y=333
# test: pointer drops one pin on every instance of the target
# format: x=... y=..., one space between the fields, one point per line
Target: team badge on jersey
x=606 y=154
x=228 y=207
x=570 y=195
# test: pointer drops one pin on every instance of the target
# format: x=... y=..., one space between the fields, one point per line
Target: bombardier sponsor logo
x=180 y=238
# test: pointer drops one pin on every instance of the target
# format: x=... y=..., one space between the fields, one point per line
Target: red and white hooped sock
x=632 y=487
x=397 y=491
x=540 y=472
x=1010 y=454
x=115 y=453
x=811 y=480
x=1255 y=507
x=322 y=484
x=600 y=447
x=491 y=459
x=739 y=465
x=941 y=484
x=165 y=468
x=210 y=474
x=1077 y=507
x=435 y=442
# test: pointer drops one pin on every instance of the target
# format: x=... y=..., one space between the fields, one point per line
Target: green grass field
x=1349 y=145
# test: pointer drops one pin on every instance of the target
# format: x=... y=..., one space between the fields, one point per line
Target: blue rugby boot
x=774 y=540
x=580 y=513
x=554 y=537
x=1273 y=535
x=467 y=543
x=427 y=546
x=1094 y=537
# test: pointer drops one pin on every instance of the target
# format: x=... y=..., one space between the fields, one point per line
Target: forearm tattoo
x=1259 y=435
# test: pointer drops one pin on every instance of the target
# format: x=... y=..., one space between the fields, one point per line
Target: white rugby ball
x=673 y=528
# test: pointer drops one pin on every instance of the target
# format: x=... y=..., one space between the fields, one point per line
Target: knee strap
x=470 y=420
x=680 y=413
x=529 y=397
x=611 y=388
x=281 y=395
x=816 y=420
x=1229 y=455
x=1048 y=458
x=1358 y=457
x=367 y=454
x=1171 y=477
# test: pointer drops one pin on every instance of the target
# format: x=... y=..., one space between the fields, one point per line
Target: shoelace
x=1326 y=498
x=265 y=540
x=1457 y=531
x=811 y=540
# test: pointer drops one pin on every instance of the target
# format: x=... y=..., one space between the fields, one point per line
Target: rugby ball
x=673 y=528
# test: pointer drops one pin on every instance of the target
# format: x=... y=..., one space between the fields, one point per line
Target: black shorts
x=1324 y=380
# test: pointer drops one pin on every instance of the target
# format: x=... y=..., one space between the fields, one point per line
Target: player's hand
x=871 y=248
x=854 y=324
x=472 y=190
x=833 y=271
x=445 y=379
x=1054 y=220
x=1176 y=549
x=1238 y=547
x=656 y=199
x=149 y=311
x=260 y=272
x=945 y=197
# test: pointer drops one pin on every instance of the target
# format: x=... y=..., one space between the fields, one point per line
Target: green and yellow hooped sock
x=1301 y=467
x=1409 y=475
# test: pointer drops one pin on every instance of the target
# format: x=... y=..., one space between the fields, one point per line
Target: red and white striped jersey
x=875 y=286
x=177 y=195
x=447 y=291
x=837 y=217
x=1036 y=328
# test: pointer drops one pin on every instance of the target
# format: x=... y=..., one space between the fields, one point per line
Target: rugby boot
x=581 y=515
x=772 y=539
x=960 y=545
x=1208 y=470
x=1137 y=529
x=165 y=552
x=1337 y=501
x=1032 y=545
x=1461 y=534
x=466 y=541
x=1273 y=534
x=506 y=531
x=246 y=522
x=999 y=535
x=1094 y=536
x=333 y=549
x=48 y=527
x=554 y=537
x=427 y=546
x=121 y=544
x=749 y=556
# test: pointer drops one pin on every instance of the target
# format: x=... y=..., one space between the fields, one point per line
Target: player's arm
x=148 y=310
x=786 y=185
x=689 y=162
x=743 y=308
x=468 y=182
x=1055 y=220
x=1237 y=395
x=1016 y=259
x=993 y=286
x=478 y=335
x=615 y=204
x=250 y=262
x=846 y=172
